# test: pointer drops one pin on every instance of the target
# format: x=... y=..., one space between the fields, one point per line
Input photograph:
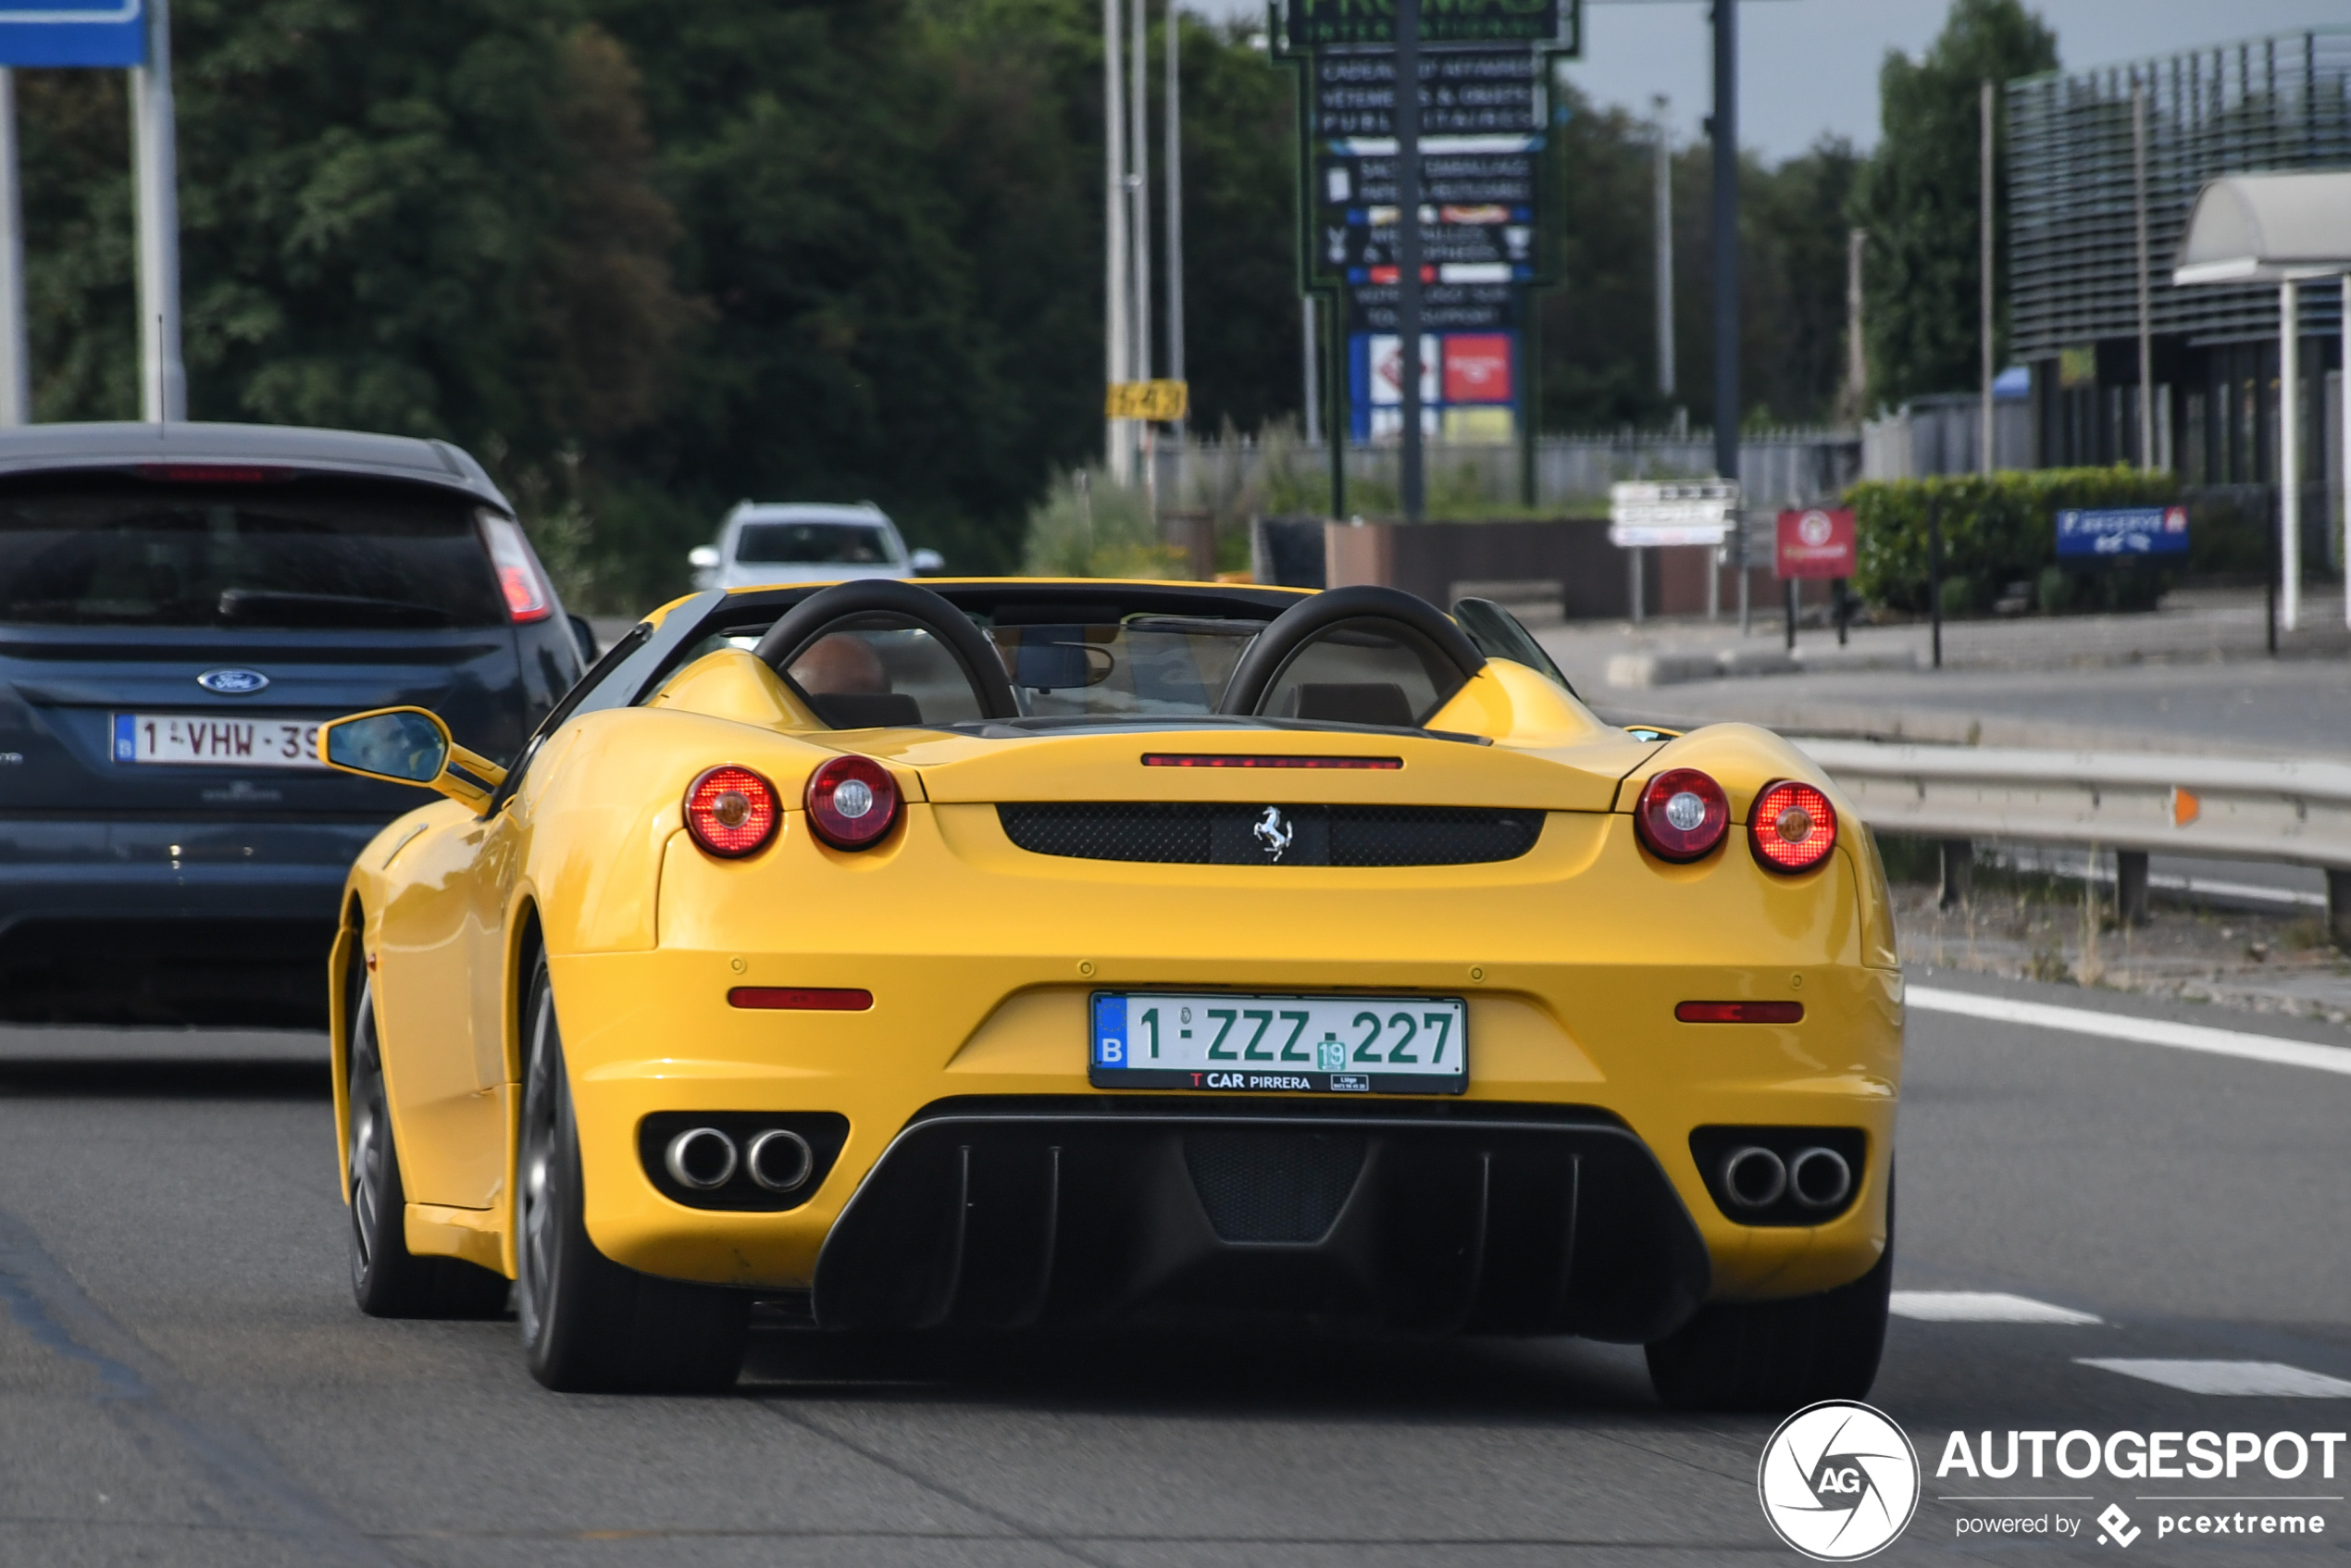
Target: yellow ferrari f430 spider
x=1021 y=954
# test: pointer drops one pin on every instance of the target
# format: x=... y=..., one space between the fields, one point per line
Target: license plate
x=216 y=740
x=1314 y=1044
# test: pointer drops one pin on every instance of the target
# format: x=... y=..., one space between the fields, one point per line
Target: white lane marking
x=2139 y=1031
x=1982 y=1306
x=2266 y=1378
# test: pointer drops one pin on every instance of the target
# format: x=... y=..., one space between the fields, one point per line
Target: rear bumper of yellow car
x=1009 y=1174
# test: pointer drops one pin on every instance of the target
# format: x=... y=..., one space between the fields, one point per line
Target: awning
x=2267 y=229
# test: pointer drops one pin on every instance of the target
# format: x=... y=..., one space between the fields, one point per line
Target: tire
x=387 y=1279
x=1780 y=1356
x=589 y=1325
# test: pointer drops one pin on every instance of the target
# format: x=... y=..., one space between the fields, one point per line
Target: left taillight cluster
x=1684 y=815
x=853 y=804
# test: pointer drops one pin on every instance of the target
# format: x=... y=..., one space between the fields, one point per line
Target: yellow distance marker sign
x=1147 y=400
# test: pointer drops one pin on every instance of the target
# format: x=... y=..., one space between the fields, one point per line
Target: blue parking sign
x=73 y=32
x=2124 y=531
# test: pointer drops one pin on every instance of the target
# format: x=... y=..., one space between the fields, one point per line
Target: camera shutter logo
x=1839 y=1481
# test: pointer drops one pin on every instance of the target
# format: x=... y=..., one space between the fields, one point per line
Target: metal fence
x=1791 y=467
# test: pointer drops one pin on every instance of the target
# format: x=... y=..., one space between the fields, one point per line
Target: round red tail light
x=1793 y=827
x=852 y=803
x=1681 y=815
x=731 y=811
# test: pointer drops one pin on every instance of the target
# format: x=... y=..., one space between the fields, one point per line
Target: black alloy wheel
x=388 y=1280
x=1780 y=1356
x=588 y=1324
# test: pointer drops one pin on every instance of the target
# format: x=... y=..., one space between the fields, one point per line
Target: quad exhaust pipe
x=704 y=1159
x=700 y=1158
x=1756 y=1177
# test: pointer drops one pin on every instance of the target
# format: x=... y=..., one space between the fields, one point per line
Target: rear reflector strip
x=1740 y=1012
x=800 y=999
x=1230 y=759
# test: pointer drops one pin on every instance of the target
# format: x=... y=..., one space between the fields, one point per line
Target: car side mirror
x=927 y=562
x=584 y=635
x=409 y=746
x=702 y=557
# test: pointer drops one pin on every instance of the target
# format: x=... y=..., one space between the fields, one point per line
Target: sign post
x=2122 y=533
x=1642 y=514
x=117 y=34
x=16 y=367
x=163 y=385
x=1814 y=542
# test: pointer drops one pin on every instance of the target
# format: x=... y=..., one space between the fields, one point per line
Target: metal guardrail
x=2137 y=804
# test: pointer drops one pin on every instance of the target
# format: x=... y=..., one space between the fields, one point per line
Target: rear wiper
x=253 y=606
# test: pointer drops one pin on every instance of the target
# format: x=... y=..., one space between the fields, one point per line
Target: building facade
x=2266 y=105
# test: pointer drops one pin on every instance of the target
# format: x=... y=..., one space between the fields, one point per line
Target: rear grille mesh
x=1273 y=1186
x=1198 y=834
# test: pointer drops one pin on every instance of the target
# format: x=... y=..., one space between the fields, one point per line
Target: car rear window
x=812 y=544
x=119 y=550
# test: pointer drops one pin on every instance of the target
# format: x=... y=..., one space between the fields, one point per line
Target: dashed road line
x=2263 y=1379
x=1982 y=1306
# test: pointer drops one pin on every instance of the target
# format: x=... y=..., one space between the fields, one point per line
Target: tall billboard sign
x=73 y=32
x=1485 y=117
x=1314 y=25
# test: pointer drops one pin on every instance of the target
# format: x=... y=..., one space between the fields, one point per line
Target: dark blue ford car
x=180 y=606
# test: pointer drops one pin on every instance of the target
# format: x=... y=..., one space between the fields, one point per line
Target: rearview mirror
x=409 y=746
x=702 y=557
x=927 y=562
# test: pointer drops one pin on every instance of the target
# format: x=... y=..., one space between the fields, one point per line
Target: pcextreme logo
x=1839 y=1481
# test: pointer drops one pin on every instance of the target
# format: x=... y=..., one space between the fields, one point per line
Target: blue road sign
x=73 y=32
x=2123 y=530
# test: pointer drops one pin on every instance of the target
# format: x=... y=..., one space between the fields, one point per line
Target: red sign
x=1477 y=368
x=1814 y=543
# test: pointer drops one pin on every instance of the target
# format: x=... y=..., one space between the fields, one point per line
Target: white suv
x=761 y=543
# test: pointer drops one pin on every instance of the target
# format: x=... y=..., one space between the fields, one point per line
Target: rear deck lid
x=1242 y=761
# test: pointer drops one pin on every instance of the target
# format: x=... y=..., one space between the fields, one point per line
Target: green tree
x=1792 y=283
x=1599 y=331
x=1919 y=198
x=378 y=231
x=1241 y=232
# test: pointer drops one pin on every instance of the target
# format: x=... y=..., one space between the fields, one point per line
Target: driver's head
x=840 y=663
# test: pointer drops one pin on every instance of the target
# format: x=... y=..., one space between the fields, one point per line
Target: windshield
x=1145 y=665
x=865 y=674
x=813 y=545
x=113 y=550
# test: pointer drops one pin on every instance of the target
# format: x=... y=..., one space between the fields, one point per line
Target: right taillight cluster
x=1791 y=827
x=1684 y=815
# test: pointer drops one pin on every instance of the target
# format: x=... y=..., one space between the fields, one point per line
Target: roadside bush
x=1997 y=531
x=1084 y=528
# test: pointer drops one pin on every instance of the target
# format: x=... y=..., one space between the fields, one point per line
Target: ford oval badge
x=233 y=682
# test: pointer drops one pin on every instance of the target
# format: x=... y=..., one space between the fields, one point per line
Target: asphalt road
x=184 y=1380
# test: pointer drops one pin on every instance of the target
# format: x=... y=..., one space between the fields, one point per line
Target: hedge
x=1997 y=531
